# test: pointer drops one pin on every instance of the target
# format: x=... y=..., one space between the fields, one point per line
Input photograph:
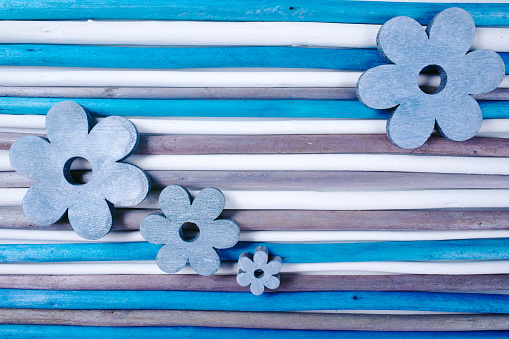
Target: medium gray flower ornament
x=189 y=230
x=69 y=137
x=443 y=48
x=258 y=272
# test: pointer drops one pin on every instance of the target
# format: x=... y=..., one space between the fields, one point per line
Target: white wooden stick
x=344 y=200
x=198 y=33
x=248 y=126
x=346 y=268
x=15 y=236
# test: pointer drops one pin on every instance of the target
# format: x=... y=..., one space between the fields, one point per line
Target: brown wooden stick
x=272 y=320
x=302 y=144
x=310 y=93
x=299 y=180
x=289 y=282
x=305 y=220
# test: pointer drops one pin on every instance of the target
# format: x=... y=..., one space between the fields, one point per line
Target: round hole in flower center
x=189 y=232
x=427 y=79
x=74 y=176
x=258 y=273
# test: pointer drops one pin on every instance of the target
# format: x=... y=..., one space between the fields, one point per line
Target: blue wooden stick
x=243 y=10
x=87 y=332
x=203 y=57
x=476 y=249
x=350 y=109
x=245 y=301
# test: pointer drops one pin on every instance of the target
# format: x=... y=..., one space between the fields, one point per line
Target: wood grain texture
x=324 y=11
x=297 y=179
x=465 y=249
x=257 y=220
x=289 y=282
x=272 y=320
x=301 y=144
x=272 y=93
x=245 y=301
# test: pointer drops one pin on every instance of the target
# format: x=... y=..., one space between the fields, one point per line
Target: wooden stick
x=301 y=144
x=272 y=93
x=272 y=320
x=326 y=11
x=224 y=108
x=235 y=301
x=284 y=220
x=297 y=179
x=289 y=282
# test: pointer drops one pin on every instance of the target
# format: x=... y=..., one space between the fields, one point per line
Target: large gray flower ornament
x=189 y=230
x=89 y=205
x=258 y=271
x=444 y=47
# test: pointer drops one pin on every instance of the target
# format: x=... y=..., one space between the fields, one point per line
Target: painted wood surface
x=309 y=220
x=52 y=331
x=471 y=249
x=245 y=301
x=289 y=282
x=297 y=179
x=302 y=144
x=272 y=320
x=325 y=11
x=272 y=93
x=224 y=108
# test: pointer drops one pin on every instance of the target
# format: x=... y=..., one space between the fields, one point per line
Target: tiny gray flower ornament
x=441 y=48
x=190 y=230
x=258 y=271
x=69 y=137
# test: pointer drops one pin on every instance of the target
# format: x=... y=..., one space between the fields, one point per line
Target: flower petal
x=452 y=31
x=91 y=219
x=463 y=121
x=123 y=184
x=29 y=157
x=246 y=262
x=243 y=278
x=222 y=233
x=409 y=126
x=275 y=265
x=208 y=204
x=400 y=39
x=204 y=260
x=257 y=287
x=155 y=228
x=115 y=137
x=175 y=202
x=43 y=204
x=272 y=281
x=66 y=121
x=484 y=71
x=171 y=259
x=261 y=255
x=386 y=86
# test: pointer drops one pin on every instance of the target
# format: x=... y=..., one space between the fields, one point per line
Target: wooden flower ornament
x=90 y=205
x=258 y=272
x=442 y=47
x=189 y=230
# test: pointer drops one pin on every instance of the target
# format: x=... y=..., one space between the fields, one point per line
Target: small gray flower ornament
x=258 y=272
x=443 y=48
x=69 y=137
x=190 y=230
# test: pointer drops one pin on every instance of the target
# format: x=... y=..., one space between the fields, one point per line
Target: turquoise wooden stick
x=245 y=301
x=471 y=249
x=87 y=332
x=350 y=109
x=203 y=57
x=244 y=10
